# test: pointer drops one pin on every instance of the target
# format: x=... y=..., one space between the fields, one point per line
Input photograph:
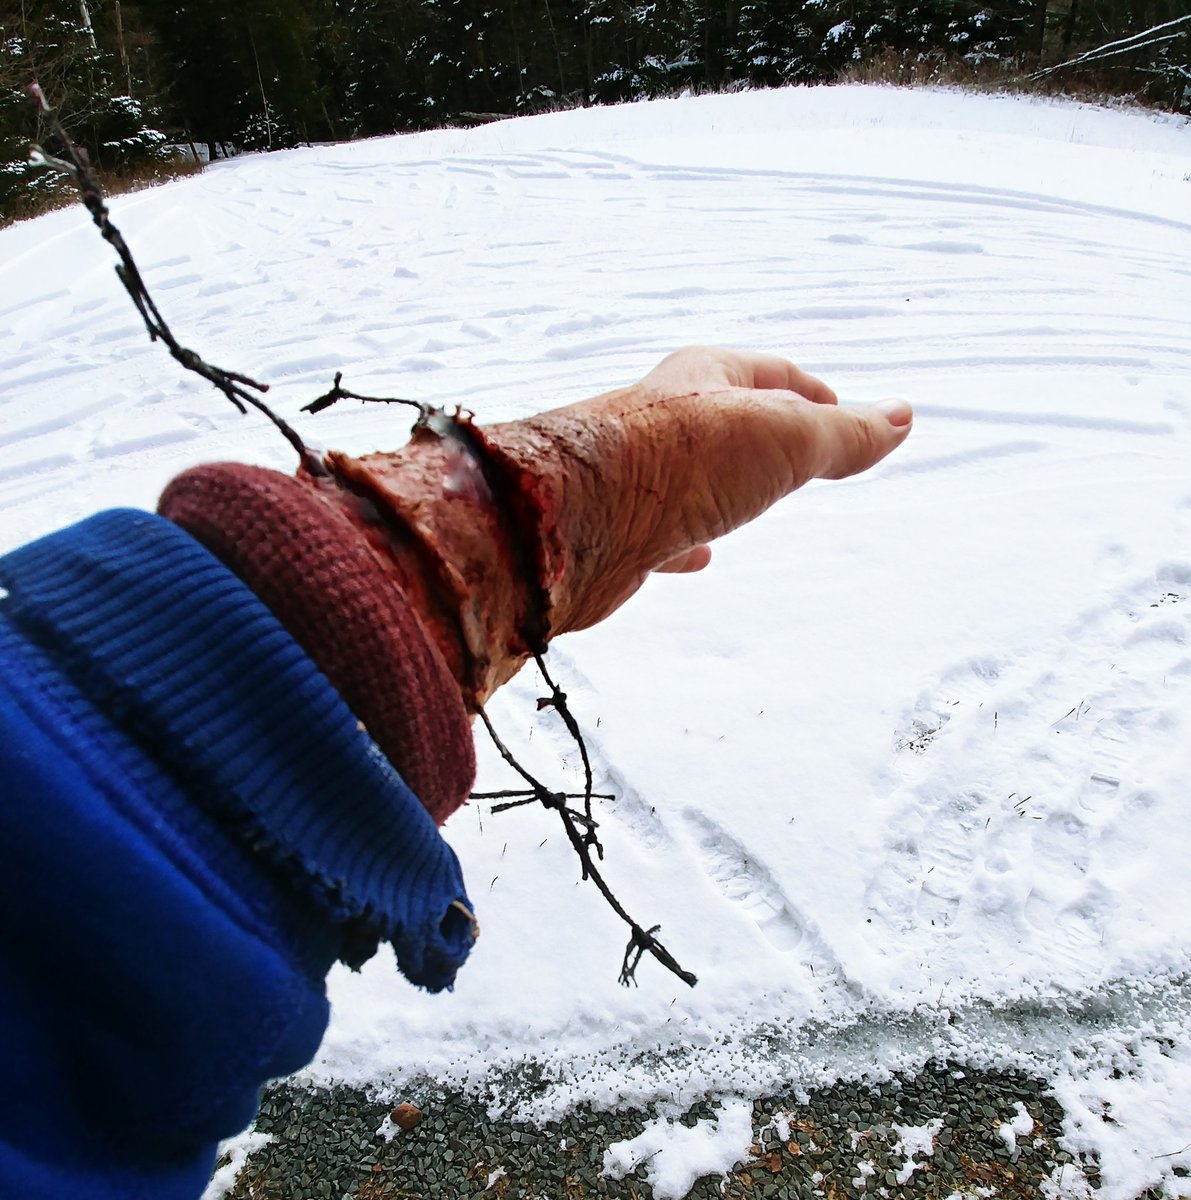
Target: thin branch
x=534 y=633
x=642 y=940
x=558 y=701
x=338 y=393
x=538 y=788
x=1135 y=41
x=1166 y=71
x=526 y=792
x=239 y=389
x=556 y=800
x=553 y=800
x=1175 y=1153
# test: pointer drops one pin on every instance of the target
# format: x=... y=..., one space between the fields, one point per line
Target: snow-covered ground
x=907 y=771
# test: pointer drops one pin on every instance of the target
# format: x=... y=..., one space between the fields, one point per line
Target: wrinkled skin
x=636 y=480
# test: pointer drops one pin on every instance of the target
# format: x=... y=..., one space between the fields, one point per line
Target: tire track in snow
x=553 y=257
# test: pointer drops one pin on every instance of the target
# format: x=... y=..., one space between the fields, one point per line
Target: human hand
x=707 y=441
x=596 y=495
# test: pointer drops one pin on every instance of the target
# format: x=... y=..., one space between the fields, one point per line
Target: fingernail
x=897 y=412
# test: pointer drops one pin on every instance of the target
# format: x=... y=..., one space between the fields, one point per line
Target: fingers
x=687 y=563
x=770 y=372
x=640 y=479
x=708 y=368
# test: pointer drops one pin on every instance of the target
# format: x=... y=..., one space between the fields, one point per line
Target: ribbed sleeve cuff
x=160 y=636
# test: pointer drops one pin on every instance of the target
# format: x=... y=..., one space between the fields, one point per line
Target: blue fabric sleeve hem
x=169 y=644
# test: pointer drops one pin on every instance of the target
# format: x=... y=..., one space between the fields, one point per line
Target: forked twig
x=338 y=393
x=242 y=391
x=641 y=940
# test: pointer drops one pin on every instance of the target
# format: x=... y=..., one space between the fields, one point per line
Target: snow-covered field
x=907 y=771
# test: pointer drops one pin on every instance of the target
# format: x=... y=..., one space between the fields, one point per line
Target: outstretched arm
x=560 y=517
x=196 y=822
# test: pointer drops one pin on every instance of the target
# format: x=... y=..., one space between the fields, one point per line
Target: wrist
x=431 y=520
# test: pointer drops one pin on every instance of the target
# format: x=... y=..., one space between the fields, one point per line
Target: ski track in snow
x=979 y=296
x=907 y=775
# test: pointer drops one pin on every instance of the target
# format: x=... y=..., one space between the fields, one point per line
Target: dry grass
x=1104 y=88
x=63 y=193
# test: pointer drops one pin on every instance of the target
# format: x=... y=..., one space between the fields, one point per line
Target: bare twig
x=556 y=799
x=1135 y=41
x=558 y=701
x=241 y=390
x=1175 y=1153
x=532 y=795
x=641 y=940
x=338 y=393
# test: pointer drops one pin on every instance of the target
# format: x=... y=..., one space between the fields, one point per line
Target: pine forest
x=143 y=84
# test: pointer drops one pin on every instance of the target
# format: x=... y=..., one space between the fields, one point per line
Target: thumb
x=853 y=439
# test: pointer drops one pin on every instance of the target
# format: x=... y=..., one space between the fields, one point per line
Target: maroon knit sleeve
x=344 y=606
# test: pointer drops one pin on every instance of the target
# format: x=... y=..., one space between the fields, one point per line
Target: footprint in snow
x=1018 y=792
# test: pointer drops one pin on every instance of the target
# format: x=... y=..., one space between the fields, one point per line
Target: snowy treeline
x=270 y=73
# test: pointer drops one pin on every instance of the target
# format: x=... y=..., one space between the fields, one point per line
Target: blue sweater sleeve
x=193 y=827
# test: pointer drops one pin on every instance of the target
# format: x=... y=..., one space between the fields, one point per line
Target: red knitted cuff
x=315 y=571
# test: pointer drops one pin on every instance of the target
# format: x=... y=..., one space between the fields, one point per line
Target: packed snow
x=1021 y=1126
x=915 y=1141
x=904 y=773
x=675 y=1156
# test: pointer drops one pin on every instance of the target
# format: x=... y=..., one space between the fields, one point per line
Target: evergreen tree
x=84 y=78
x=246 y=72
x=271 y=73
x=787 y=41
